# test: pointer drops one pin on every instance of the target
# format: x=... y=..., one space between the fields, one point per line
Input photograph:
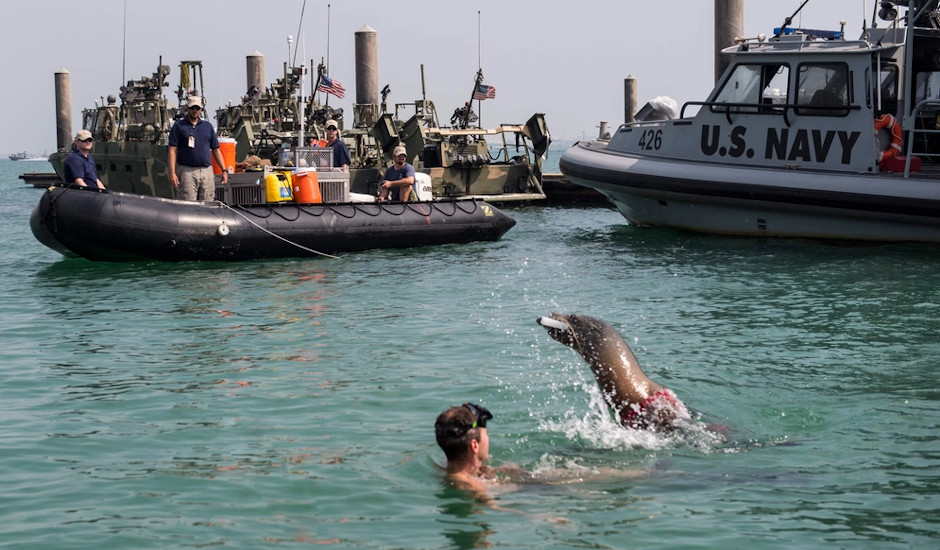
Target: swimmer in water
x=461 y=433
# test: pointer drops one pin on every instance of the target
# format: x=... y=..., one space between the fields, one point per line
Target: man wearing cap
x=79 y=165
x=341 y=158
x=193 y=143
x=399 y=178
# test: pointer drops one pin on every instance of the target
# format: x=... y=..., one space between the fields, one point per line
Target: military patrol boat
x=131 y=138
x=502 y=163
x=786 y=143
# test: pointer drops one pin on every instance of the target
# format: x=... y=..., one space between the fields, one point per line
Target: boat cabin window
x=823 y=89
x=89 y=119
x=927 y=87
x=754 y=88
x=888 y=82
x=927 y=117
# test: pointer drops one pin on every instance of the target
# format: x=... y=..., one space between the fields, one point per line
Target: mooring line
x=300 y=246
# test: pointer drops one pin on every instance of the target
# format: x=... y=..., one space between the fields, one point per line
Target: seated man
x=341 y=158
x=79 y=168
x=399 y=178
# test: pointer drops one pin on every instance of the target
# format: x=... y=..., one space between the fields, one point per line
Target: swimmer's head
x=457 y=426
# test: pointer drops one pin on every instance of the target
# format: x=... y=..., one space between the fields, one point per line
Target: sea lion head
x=582 y=333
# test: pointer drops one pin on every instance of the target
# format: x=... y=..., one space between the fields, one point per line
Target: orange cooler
x=307 y=188
x=227 y=147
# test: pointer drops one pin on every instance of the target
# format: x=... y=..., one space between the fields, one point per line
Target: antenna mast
x=479 y=43
x=124 y=48
x=479 y=71
x=300 y=23
x=328 y=15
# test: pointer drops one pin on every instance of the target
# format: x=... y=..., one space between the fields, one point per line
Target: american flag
x=330 y=86
x=485 y=92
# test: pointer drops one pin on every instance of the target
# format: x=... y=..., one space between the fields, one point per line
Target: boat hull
x=746 y=201
x=111 y=226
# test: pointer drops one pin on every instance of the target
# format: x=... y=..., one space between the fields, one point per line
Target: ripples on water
x=287 y=403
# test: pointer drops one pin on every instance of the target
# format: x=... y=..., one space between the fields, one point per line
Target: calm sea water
x=282 y=404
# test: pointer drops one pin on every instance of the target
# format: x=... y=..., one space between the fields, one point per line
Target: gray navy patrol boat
x=806 y=134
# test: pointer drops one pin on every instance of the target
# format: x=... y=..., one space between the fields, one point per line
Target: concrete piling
x=629 y=99
x=255 y=70
x=63 y=108
x=729 y=24
x=367 y=66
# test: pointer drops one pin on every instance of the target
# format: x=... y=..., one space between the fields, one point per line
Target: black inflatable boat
x=110 y=226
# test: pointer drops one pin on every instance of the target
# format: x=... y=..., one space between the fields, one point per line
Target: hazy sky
x=565 y=59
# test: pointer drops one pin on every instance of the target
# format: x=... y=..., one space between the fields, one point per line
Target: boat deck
x=40 y=179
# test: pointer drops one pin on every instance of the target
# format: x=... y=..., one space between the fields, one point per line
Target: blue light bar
x=828 y=35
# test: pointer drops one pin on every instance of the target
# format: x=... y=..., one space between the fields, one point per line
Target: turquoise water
x=290 y=403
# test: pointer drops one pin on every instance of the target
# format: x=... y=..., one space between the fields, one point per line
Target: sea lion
x=638 y=402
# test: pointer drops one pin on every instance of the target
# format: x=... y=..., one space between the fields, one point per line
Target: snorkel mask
x=480 y=413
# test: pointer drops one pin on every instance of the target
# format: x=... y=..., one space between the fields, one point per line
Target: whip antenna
x=299 y=25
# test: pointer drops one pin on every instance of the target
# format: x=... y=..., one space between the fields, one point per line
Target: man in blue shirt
x=193 y=143
x=399 y=178
x=341 y=157
x=79 y=166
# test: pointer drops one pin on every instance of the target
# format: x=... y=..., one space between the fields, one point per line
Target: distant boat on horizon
x=23 y=156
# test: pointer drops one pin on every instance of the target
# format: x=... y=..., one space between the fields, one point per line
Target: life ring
x=889 y=123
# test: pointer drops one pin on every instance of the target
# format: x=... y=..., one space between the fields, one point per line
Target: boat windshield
x=754 y=87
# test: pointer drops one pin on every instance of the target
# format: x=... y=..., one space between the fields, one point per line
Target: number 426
x=651 y=139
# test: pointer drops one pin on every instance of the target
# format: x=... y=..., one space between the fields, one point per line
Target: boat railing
x=749 y=108
x=912 y=130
